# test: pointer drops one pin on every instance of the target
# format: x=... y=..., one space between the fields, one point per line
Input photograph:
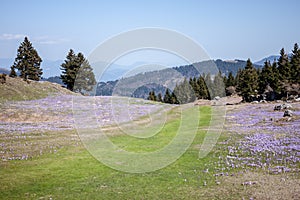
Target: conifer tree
x=28 y=61
x=12 y=73
x=248 y=82
x=195 y=86
x=266 y=76
x=203 y=91
x=167 y=97
x=295 y=64
x=69 y=70
x=284 y=66
x=159 y=97
x=275 y=84
x=184 y=92
x=77 y=73
x=174 y=99
x=230 y=80
x=209 y=85
x=85 y=78
x=152 y=96
x=218 y=87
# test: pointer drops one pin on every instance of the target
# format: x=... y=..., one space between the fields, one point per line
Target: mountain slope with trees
x=278 y=80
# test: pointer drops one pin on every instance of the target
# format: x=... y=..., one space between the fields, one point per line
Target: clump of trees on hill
x=77 y=74
x=277 y=80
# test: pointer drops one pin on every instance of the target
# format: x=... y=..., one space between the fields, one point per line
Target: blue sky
x=225 y=29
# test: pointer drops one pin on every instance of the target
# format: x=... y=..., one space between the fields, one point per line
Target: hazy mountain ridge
x=139 y=84
x=50 y=68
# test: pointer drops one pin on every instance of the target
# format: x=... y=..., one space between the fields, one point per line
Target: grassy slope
x=16 y=89
x=72 y=173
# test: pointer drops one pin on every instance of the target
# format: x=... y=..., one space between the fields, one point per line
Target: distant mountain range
x=4 y=71
x=52 y=68
x=271 y=58
x=140 y=84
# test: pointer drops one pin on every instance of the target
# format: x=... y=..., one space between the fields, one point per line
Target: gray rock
x=288 y=113
x=278 y=107
x=217 y=98
x=286 y=106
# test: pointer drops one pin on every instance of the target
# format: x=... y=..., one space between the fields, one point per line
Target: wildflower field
x=257 y=155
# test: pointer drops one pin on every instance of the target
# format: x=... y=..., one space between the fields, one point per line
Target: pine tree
x=275 y=84
x=203 y=91
x=12 y=73
x=265 y=77
x=152 y=96
x=77 y=73
x=159 y=97
x=28 y=61
x=167 y=97
x=284 y=66
x=218 y=87
x=174 y=99
x=230 y=80
x=248 y=82
x=195 y=86
x=295 y=64
x=237 y=77
x=69 y=69
x=208 y=85
x=85 y=78
x=183 y=92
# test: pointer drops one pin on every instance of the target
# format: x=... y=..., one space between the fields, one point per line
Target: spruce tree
x=195 y=86
x=85 y=78
x=77 y=73
x=275 y=84
x=167 y=97
x=209 y=85
x=295 y=65
x=159 y=97
x=152 y=96
x=184 y=92
x=284 y=66
x=28 y=61
x=218 y=86
x=203 y=91
x=230 y=81
x=265 y=77
x=12 y=73
x=69 y=69
x=248 y=82
x=174 y=99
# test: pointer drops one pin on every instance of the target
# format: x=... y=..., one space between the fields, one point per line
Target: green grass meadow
x=73 y=173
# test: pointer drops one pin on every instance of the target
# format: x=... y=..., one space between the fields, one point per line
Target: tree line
x=77 y=74
x=277 y=80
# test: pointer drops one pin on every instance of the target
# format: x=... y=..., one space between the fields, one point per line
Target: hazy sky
x=226 y=29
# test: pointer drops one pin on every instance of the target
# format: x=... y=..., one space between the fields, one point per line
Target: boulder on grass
x=278 y=107
x=288 y=113
x=286 y=106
